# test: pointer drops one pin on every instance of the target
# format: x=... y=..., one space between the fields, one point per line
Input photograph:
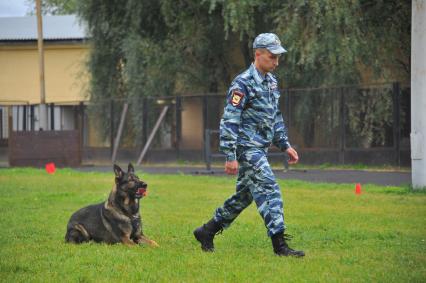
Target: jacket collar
x=257 y=75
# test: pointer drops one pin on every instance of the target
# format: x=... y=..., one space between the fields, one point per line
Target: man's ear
x=118 y=172
x=256 y=53
x=130 y=169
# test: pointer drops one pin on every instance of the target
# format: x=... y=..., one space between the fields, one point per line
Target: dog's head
x=128 y=183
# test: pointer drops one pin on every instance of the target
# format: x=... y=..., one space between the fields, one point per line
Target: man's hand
x=231 y=167
x=293 y=158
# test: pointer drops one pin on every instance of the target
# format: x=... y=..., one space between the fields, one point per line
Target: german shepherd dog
x=117 y=220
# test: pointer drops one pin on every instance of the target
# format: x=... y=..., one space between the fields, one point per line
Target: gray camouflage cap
x=269 y=41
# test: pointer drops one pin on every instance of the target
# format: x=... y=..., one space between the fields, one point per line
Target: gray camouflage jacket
x=252 y=117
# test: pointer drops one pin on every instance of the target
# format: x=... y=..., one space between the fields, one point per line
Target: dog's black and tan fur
x=115 y=220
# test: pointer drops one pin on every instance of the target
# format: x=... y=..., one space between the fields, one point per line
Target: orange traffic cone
x=50 y=168
x=358 y=189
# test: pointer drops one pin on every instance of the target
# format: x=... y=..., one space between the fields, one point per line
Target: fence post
x=287 y=123
x=81 y=125
x=205 y=117
x=1 y=123
x=178 y=113
x=207 y=149
x=287 y=107
x=396 y=99
x=111 y=116
x=144 y=121
x=342 y=127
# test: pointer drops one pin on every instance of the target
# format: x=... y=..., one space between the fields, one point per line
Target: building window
x=26 y=118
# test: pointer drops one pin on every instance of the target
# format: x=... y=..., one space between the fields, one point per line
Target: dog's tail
x=77 y=234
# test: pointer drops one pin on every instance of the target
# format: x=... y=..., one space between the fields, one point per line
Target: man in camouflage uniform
x=250 y=123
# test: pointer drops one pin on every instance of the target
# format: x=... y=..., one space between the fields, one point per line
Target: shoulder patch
x=236 y=98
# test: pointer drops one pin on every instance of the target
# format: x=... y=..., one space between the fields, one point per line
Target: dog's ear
x=118 y=172
x=130 y=169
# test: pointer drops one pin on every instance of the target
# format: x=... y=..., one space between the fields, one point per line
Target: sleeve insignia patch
x=236 y=98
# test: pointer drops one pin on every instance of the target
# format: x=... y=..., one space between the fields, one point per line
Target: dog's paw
x=154 y=244
x=145 y=240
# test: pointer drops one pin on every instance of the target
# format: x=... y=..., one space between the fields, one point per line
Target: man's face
x=266 y=61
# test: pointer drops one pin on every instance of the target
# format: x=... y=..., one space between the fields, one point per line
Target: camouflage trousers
x=256 y=181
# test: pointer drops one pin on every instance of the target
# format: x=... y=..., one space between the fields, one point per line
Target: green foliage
x=54 y=7
x=168 y=46
x=160 y=48
x=333 y=43
x=346 y=237
x=150 y=48
x=323 y=39
x=162 y=43
x=370 y=115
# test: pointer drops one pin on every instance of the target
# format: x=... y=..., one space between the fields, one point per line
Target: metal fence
x=349 y=124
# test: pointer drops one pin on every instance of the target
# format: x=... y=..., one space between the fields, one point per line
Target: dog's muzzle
x=141 y=191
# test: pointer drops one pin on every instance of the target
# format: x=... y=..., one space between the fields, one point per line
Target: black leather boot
x=205 y=234
x=281 y=248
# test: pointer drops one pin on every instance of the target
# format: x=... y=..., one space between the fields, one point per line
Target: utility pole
x=418 y=94
x=42 y=108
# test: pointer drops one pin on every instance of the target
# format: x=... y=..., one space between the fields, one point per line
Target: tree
x=146 y=47
x=55 y=7
x=329 y=41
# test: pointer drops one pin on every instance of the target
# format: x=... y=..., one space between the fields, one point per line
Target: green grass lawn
x=378 y=236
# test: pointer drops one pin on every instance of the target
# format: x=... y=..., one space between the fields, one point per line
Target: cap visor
x=277 y=50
